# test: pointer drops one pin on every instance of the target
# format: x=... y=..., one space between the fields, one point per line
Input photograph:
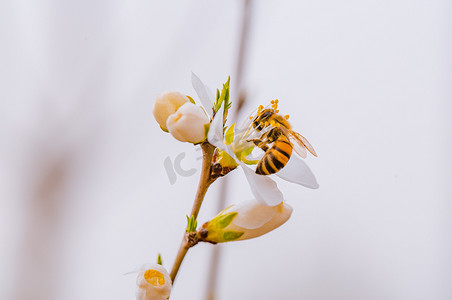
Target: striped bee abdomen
x=275 y=158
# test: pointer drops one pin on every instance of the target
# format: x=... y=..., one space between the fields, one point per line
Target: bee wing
x=296 y=143
x=304 y=141
x=299 y=143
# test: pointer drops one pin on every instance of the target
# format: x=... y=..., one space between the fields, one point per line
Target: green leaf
x=229 y=135
x=226 y=87
x=206 y=129
x=226 y=219
x=242 y=156
x=191 y=99
x=250 y=162
x=232 y=235
x=248 y=151
x=224 y=96
x=159 y=260
x=192 y=224
x=226 y=160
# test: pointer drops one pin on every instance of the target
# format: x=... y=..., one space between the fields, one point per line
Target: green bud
x=192 y=224
x=245 y=220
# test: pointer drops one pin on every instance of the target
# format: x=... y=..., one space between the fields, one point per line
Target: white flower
x=246 y=220
x=153 y=283
x=165 y=105
x=188 y=124
x=177 y=115
x=205 y=95
x=295 y=171
x=263 y=187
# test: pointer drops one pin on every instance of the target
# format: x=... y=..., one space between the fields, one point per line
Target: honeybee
x=282 y=138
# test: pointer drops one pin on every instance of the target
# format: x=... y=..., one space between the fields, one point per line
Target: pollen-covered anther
x=153 y=283
x=154 y=277
x=274 y=104
x=286 y=117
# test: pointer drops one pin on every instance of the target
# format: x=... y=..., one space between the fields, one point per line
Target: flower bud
x=243 y=221
x=153 y=283
x=165 y=105
x=188 y=124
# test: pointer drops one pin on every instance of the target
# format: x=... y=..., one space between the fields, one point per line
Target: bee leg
x=263 y=147
x=259 y=143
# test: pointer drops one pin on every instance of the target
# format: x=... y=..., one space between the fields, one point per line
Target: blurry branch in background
x=212 y=275
x=45 y=178
x=46 y=167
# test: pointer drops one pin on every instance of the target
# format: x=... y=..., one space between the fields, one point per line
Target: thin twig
x=204 y=182
x=213 y=271
x=179 y=258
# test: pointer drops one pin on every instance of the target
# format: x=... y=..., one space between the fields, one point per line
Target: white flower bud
x=246 y=220
x=165 y=105
x=153 y=283
x=189 y=123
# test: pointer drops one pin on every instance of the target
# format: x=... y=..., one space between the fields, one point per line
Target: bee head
x=262 y=117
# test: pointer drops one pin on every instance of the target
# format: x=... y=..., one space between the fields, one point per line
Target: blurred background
x=84 y=193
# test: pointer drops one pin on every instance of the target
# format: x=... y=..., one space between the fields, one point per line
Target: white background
x=84 y=194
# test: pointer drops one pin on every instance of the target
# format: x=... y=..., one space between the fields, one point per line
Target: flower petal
x=205 y=95
x=153 y=283
x=252 y=214
x=188 y=123
x=263 y=187
x=215 y=135
x=297 y=171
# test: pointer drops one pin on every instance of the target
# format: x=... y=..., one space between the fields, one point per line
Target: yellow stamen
x=286 y=117
x=274 y=104
x=154 y=277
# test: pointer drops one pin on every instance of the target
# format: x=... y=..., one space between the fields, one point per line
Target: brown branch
x=204 y=182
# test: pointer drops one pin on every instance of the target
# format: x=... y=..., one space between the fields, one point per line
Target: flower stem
x=179 y=258
x=204 y=182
